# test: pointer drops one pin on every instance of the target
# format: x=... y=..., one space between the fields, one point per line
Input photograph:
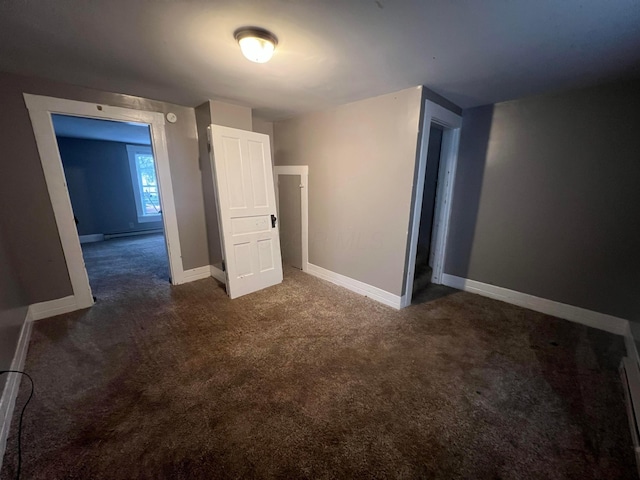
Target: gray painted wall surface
x=203 y=120
x=361 y=159
x=13 y=308
x=100 y=186
x=26 y=208
x=547 y=198
x=290 y=219
x=230 y=115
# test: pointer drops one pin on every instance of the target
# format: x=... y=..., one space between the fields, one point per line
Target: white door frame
x=303 y=171
x=40 y=110
x=451 y=123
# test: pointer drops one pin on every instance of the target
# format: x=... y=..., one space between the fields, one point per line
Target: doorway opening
x=292 y=203
x=112 y=181
x=41 y=109
x=425 y=251
x=433 y=193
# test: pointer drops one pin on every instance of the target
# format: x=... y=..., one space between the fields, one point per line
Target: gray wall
x=290 y=219
x=24 y=200
x=547 y=198
x=231 y=115
x=361 y=159
x=100 y=186
x=203 y=120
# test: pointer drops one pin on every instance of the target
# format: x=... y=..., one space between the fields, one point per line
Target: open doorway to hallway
x=112 y=182
x=425 y=251
x=291 y=184
x=433 y=193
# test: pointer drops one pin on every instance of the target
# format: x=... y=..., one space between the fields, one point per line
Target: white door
x=243 y=177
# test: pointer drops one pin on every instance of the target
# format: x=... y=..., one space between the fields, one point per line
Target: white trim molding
x=356 y=286
x=40 y=110
x=94 y=237
x=51 y=308
x=218 y=274
x=197 y=274
x=12 y=385
x=291 y=169
x=451 y=123
x=303 y=171
x=586 y=317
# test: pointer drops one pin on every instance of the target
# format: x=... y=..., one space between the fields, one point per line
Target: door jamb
x=303 y=171
x=452 y=123
x=40 y=110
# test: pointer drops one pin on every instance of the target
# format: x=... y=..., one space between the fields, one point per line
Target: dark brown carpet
x=307 y=380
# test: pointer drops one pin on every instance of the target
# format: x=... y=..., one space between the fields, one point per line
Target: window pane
x=148 y=184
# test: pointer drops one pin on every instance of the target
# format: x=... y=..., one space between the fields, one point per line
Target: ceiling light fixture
x=256 y=44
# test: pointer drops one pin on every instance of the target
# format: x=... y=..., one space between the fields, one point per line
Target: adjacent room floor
x=121 y=264
x=308 y=380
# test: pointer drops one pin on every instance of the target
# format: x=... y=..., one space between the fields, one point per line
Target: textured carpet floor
x=308 y=380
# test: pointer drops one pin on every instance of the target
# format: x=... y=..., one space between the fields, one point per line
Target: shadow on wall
x=472 y=158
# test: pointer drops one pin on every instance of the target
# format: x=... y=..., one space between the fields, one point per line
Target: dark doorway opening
x=423 y=289
x=111 y=178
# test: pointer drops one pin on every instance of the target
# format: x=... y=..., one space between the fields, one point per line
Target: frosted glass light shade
x=257 y=45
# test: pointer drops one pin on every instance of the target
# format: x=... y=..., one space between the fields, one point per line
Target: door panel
x=258 y=174
x=265 y=252
x=243 y=177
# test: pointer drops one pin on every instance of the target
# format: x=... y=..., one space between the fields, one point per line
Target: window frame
x=132 y=151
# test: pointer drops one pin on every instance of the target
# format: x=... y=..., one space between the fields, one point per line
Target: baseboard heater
x=108 y=236
x=630 y=374
x=99 y=237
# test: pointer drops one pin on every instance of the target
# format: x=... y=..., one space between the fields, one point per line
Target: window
x=145 y=183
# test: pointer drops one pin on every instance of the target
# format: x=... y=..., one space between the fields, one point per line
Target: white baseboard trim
x=196 y=274
x=375 y=293
x=590 y=318
x=217 y=274
x=38 y=311
x=11 y=388
x=405 y=301
x=94 y=237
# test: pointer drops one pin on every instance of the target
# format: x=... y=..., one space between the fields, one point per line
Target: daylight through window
x=145 y=183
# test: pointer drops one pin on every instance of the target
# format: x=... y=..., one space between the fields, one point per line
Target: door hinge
x=224 y=267
x=209 y=147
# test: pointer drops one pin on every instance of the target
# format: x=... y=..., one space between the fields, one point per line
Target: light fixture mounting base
x=257 y=32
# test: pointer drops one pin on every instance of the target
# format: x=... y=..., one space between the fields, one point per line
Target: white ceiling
x=333 y=51
x=94 y=129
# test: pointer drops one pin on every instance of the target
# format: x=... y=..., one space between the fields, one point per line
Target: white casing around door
x=243 y=179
